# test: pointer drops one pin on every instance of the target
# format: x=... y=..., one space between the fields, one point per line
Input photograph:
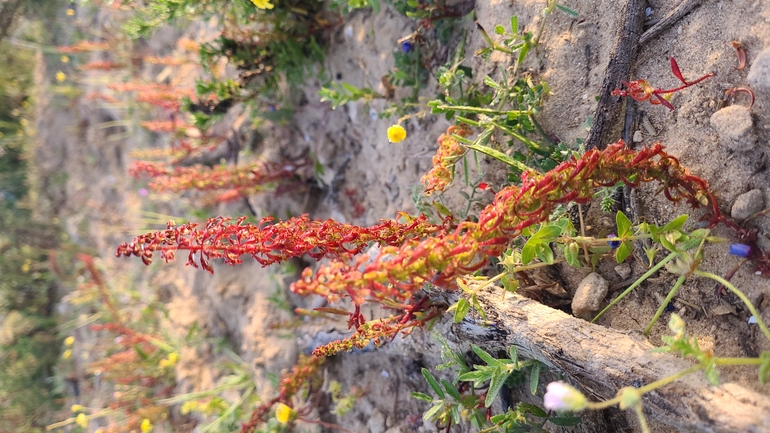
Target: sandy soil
x=99 y=203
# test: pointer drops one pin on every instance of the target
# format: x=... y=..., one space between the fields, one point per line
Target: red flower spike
x=453 y=254
x=271 y=243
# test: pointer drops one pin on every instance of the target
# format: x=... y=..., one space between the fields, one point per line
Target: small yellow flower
x=67 y=354
x=173 y=357
x=61 y=76
x=65 y=59
x=188 y=407
x=145 y=426
x=82 y=420
x=396 y=133
x=76 y=408
x=69 y=341
x=262 y=4
x=99 y=431
x=70 y=12
x=283 y=413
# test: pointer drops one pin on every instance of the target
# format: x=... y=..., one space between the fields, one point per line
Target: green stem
x=481 y=110
x=536 y=147
x=541 y=131
x=740 y=295
x=666 y=301
x=647 y=388
x=646 y=275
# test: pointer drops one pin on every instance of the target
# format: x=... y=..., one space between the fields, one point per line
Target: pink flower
x=561 y=397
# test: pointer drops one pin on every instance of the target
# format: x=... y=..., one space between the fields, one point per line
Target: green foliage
x=342 y=93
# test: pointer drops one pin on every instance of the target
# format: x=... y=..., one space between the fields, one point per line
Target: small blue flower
x=740 y=250
x=613 y=243
x=406 y=46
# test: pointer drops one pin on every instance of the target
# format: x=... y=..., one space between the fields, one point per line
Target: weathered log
x=601 y=361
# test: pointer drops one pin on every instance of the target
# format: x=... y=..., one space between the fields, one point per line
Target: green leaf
x=513 y=354
x=451 y=390
x=433 y=383
x=523 y=54
x=463 y=306
x=532 y=409
x=432 y=412
x=674 y=224
x=472 y=376
x=495 y=384
x=571 y=253
x=712 y=375
x=534 y=377
x=486 y=357
x=624 y=250
x=565 y=420
x=477 y=306
x=515 y=25
x=764 y=368
x=510 y=283
x=499 y=30
x=423 y=397
x=624 y=224
x=545 y=253
x=567 y=10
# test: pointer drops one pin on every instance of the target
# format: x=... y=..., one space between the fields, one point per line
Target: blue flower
x=406 y=46
x=740 y=250
x=613 y=243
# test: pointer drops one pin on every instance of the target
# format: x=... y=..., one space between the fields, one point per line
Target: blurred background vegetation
x=29 y=346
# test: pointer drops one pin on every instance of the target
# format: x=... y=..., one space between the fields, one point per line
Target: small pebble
x=747 y=204
x=638 y=136
x=735 y=127
x=623 y=270
x=759 y=73
x=589 y=295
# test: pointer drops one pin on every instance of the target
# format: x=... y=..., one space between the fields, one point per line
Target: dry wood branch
x=672 y=17
x=603 y=360
x=623 y=55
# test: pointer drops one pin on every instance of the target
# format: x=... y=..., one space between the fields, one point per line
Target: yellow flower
x=173 y=357
x=65 y=59
x=146 y=425
x=99 y=431
x=188 y=407
x=70 y=12
x=67 y=354
x=76 y=408
x=60 y=76
x=283 y=413
x=396 y=133
x=69 y=341
x=82 y=420
x=262 y=4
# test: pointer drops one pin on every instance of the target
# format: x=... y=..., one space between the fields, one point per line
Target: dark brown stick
x=672 y=17
x=619 y=68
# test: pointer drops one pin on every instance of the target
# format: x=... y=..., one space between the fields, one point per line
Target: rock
x=735 y=127
x=623 y=270
x=759 y=74
x=638 y=137
x=589 y=296
x=376 y=423
x=747 y=204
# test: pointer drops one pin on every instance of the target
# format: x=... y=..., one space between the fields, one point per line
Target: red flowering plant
x=414 y=253
x=244 y=180
x=641 y=90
